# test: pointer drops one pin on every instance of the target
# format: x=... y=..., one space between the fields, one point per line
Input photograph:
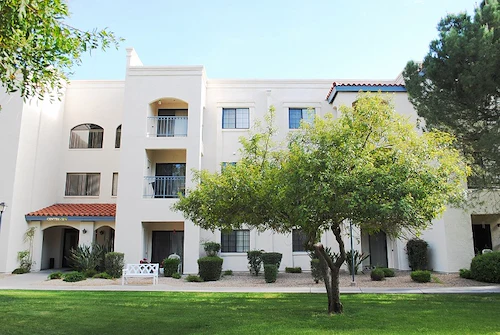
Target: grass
x=80 y=312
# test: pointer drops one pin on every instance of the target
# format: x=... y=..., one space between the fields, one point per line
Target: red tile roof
x=76 y=210
x=360 y=83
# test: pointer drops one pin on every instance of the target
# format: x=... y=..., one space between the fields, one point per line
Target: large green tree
x=38 y=48
x=457 y=87
x=369 y=167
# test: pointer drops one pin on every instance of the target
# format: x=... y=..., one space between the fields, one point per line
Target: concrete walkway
x=34 y=281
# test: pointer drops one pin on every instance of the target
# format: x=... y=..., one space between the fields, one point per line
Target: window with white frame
x=83 y=184
x=114 y=188
x=235 y=118
x=235 y=241
x=295 y=115
x=86 y=136
x=299 y=240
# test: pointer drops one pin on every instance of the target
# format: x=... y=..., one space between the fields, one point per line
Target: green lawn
x=79 y=312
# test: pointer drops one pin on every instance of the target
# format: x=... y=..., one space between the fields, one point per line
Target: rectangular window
x=114 y=188
x=299 y=240
x=295 y=115
x=224 y=164
x=235 y=118
x=83 y=184
x=235 y=241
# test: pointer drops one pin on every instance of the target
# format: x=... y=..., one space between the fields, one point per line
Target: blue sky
x=265 y=39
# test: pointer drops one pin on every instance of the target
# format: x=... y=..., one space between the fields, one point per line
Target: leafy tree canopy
x=369 y=166
x=457 y=88
x=37 y=47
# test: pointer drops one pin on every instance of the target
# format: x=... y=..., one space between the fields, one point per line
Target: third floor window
x=86 y=136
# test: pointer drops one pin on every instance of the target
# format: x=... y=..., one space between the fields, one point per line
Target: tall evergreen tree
x=457 y=88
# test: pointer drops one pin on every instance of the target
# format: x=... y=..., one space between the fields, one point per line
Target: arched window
x=118 y=136
x=86 y=135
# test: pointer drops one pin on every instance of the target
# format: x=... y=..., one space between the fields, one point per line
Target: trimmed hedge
x=317 y=270
x=170 y=266
x=388 y=272
x=421 y=276
x=210 y=268
x=74 y=276
x=194 y=278
x=465 y=273
x=377 y=274
x=176 y=275
x=270 y=273
x=416 y=249
x=254 y=261
x=486 y=267
x=296 y=269
x=113 y=262
x=272 y=258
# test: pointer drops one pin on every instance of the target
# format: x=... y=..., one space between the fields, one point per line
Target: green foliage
x=38 y=48
x=457 y=88
x=85 y=258
x=270 y=273
x=416 y=249
x=210 y=268
x=296 y=269
x=170 y=266
x=114 y=264
x=74 y=276
x=176 y=275
x=55 y=275
x=317 y=270
x=377 y=274
x=211 y=248
x=421 y=276
x=20 y=271
x=272 y=258
x=388 y=272
x=228 y=273
x=194 y=278
x=486 y=267
x=102 y=275
x=90 y=273
x=24 y=258
x=465 y=273
x=358 y=259
x=254 y=261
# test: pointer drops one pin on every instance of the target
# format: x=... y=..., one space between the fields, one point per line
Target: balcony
x=164 y=186
x=167 y=126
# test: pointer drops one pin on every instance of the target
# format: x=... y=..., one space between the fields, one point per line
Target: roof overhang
x=69 y=218
x=364 y=88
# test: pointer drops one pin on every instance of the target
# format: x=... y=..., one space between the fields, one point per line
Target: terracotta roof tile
x=76 y=210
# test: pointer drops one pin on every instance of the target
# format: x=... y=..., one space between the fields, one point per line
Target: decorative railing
x=167 y=126
x=164 y=186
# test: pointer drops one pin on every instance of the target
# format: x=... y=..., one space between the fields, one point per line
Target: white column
x=37 y=245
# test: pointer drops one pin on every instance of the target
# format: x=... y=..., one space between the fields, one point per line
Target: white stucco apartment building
x=106 y=162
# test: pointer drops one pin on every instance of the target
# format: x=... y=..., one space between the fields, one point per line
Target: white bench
x=140 y=271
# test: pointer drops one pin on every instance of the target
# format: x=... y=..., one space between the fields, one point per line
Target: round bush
x=170 y=265
x=270 y=273
x=114 y=264
x=20 y=271
x=211 y=248
x=56 y=275
x=377 y=274
x=176 y=275
x=421 y=276
x=388 y=272
x=272 y=258
x=417 y=254
x=465 y=273
x=486 y=267
x=210 y=268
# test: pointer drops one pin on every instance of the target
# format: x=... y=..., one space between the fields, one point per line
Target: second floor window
x=235 y=241
x=86 y=136
x=114 y=187
x=235 y=118
x=83 y=184
x=295 y=115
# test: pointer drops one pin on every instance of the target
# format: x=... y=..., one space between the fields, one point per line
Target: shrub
x=421 y=276
x=20 y=271
x=193 y=278
x=211 y=248
x=254 y=261
x=377 y=274
x=272 y=258
x=176 y=275
x=388 y=272
x=210 y=268
x=297 y=269
x=90 y=273
x=74 y=276
x=486 y=267
x=170 y=265
x=465 y=273
x=25 y=260
x=56 y=275
x=85 y=257
x=317 y=270
x=358 y=259
x=102 y=275
x=270 y=273
x=228 y=273
x=114 y=264
x=417 y=254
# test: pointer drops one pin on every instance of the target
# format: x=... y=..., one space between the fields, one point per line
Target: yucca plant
x=358 y=259
x=85 y=257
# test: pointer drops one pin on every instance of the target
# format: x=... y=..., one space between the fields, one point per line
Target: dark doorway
x=70 y=242
x=166 y=243
x=170 y=180
x=378 y=250
x=481 y=233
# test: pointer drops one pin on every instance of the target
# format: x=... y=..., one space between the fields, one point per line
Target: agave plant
x=85 y=257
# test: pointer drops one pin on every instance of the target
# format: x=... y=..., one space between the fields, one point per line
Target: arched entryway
x=56 y=245
x=105 y=236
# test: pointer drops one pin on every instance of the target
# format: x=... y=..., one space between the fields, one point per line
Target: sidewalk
x=34 y=281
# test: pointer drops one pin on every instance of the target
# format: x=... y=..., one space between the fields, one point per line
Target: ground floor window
x=235 y=241
x=299 y=240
